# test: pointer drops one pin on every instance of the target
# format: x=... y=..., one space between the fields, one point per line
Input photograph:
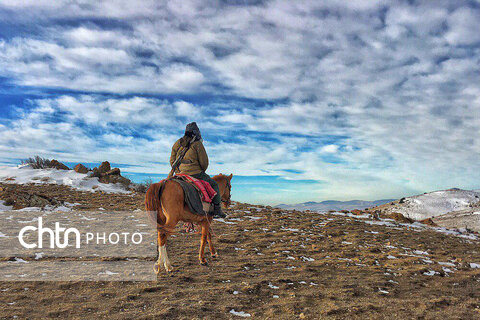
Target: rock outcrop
x=104 y=167
x=58 y=165
x=80 y=168
x=105 y=174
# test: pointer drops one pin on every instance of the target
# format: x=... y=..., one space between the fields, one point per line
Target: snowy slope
x=436 y=203
x=25 y=174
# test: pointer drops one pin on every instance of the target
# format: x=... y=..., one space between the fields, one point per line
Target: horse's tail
x=152 y=198
x=153 y=205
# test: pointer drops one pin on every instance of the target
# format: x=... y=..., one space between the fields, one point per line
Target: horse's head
x=224 y=183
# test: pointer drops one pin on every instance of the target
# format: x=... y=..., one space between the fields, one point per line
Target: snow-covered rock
x=26 y=174
x=436 y=203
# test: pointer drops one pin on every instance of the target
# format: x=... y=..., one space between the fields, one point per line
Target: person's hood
x=193 y=130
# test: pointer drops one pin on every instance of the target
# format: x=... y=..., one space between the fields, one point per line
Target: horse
x=165 y=205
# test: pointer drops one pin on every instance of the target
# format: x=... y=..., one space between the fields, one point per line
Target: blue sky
x=300 y=100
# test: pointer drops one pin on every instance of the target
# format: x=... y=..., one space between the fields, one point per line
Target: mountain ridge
x=327 y=205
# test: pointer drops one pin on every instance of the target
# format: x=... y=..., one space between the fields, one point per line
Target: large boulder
x=58 y=165
x=80 y=168
x=110 y=175
x=104 y=167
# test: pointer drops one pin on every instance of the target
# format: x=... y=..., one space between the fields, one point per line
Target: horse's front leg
x=203 y=240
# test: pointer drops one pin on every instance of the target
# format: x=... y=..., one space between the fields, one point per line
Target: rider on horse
x=195 y=162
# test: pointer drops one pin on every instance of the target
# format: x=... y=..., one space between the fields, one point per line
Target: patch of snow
x=86 y=218
x=68 y=204
x=62 y=209
x=383 y=291
x=108 y=273
x=79 y=181
x=430 y=273
x=391 y=257
x=420 y=252
x=380 y=223
x=38 y=255
x=446 y=270
x=474 y=265
x=350 y=215
x=223 y=220
x=290 y=229
x=253 y=218
x=18 y=260
x=270 y=285
x=3 y=207
x=240 y=313
x=419 y=227
x=448 y=264
x=307 y=259
x=30 y=209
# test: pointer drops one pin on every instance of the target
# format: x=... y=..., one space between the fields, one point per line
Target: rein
x=229 y=186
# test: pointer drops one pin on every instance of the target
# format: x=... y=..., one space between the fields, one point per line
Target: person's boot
x=217 y=211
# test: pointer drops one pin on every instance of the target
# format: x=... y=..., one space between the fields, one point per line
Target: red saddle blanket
x=206 y=190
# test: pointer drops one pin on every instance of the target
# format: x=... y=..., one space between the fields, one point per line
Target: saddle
x=198 y=193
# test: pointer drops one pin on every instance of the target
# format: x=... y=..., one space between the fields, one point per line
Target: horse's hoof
x=204 y=263
x=156 y=268
x=169 y=269
x=214 y=256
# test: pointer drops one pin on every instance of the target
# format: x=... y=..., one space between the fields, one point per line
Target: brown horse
x=165 y=204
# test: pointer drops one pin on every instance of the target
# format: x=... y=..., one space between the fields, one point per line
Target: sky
x=300 y=100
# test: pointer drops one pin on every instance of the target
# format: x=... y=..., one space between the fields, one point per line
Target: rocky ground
x=40 y=195
x=274 y=264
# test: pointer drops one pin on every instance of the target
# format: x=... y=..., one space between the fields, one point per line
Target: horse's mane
x=220 y=176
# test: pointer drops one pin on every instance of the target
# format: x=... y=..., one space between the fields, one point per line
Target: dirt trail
x=282 y=265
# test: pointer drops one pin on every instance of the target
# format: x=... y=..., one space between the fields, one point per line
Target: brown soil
x=344 y=268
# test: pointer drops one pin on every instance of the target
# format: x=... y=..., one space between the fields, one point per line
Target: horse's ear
x=230 y=176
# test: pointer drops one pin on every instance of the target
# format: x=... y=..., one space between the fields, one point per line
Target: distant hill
x=334 y=205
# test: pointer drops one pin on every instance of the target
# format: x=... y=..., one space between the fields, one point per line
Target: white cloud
x=331 y=148
x=186 y=109
x=463 y=27
x=390 y=90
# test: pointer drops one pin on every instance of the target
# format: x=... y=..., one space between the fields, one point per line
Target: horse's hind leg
x=203 y=240
x=160 y=256
x=210 y=245
x=162 y=249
